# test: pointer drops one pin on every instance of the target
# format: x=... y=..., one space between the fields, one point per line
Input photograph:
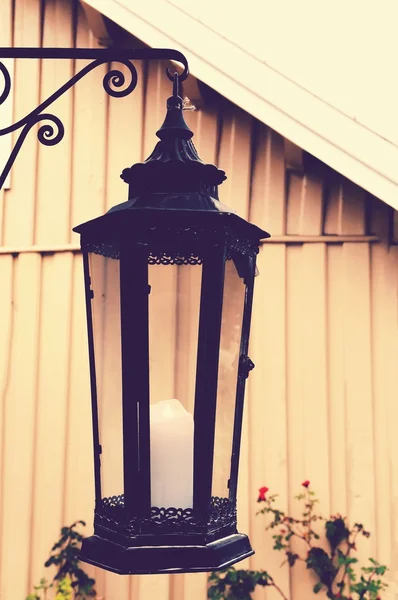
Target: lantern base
x=142 y=560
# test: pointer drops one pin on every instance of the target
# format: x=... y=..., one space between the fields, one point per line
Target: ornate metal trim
x=114 y=83
x=112 y=515
x=161 y=241
x=167 y=258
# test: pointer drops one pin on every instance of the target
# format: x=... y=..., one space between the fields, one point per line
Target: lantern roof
x=172 y=189
x=174 y=164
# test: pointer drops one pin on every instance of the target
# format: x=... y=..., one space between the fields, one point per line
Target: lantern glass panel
x=231 y=328
x=105 y=284
x=173 y=337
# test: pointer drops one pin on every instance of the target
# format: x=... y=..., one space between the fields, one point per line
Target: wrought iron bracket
x=114 y=83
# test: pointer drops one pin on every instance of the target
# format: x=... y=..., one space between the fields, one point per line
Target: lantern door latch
x=245 y=366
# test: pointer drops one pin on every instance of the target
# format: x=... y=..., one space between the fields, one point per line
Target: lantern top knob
x=174 y=123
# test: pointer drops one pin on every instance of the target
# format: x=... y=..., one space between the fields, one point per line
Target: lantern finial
x=174 y=124
x=174 y=165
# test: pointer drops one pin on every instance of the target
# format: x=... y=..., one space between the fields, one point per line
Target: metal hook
x=183 y=75
x=176 y=84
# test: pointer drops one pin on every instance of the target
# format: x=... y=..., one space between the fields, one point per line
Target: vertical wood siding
x=321 y=403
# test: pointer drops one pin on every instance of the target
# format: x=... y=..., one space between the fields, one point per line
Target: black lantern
x=166 y=460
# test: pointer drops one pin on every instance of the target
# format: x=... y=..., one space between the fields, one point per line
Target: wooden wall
x=321 y=403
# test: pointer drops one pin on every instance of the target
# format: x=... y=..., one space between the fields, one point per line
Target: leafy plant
x=333 y=570
x=70 y=581
x=238 y=584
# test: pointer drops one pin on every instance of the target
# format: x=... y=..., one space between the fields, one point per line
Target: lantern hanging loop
x=182 y=76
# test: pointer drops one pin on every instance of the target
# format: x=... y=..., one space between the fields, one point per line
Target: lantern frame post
x=245 y=366
x=93 y=380
x=210 y=314
x=134 y=292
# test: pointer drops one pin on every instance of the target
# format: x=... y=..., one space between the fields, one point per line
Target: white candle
x=171 y=455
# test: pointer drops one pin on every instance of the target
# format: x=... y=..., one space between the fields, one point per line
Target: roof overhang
x=337 y=139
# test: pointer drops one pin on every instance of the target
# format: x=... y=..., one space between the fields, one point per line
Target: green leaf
x=336 y=532
x=380 y=570
x=318 y=561
x=231 y=577
x=214 y=592
x=264 y=579
x=351 y=574
x=291 y=558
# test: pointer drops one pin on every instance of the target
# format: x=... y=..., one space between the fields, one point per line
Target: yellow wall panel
x=6 y=327
x=89 y=129
x=78 y=465
x=314 y=370
x=19 y=422
x=391 y=353
x=304 y=204
x=345 y=207
x=296 y=297
x=204 y=124
x=294 y=203
x=235 y=156
x=157 y=89
x=268 y=204
x=125 y=122
x=268 y=409
x=383 y=306
x=334 y=208
x=358 y=390
x=336 y=381
x=5 y=40
x=312 y=210
x=20 y=201
x=353 y=208
x=54 y=162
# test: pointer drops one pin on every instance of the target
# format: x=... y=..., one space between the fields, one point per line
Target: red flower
x=261 y=494
x=305 y=483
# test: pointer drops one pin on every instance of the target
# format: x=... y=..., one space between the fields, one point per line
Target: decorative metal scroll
x=112 y=515
x=114 y=84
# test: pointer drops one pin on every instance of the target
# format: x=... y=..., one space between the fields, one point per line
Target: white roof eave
x=353 y=150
